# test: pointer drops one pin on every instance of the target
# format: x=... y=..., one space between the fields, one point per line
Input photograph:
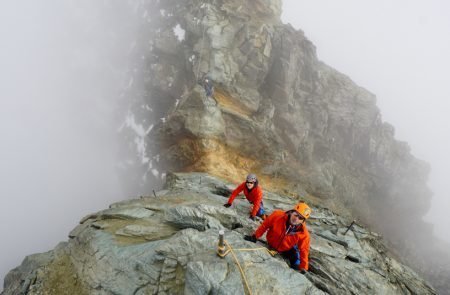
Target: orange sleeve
x=303 y=246
x=267 y=223
x=239 y=189
x=257 y=202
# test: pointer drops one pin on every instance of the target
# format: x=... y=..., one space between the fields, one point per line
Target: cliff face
x=308 y=132
x=303 y=127
x=166 y=244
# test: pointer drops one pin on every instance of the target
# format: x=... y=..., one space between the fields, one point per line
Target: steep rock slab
x=305 y=128
x=167 y=245
x=281 y=112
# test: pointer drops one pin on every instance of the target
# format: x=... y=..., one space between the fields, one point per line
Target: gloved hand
x=227 y=205
x=252 y=217
x=251 y=238
x=302 y=271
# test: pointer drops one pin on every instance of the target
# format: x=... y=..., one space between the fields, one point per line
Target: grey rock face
x=167 y=245
x=197 y=116
x=281 y=113
x=276 y=100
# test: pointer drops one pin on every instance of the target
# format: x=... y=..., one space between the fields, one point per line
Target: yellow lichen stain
x=221 y=161
x=228 y=102
x=112 y=226
x=60 y=277
x=213 y=156
x=229 y=164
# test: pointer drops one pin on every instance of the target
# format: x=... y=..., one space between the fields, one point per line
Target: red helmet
x=303 y=209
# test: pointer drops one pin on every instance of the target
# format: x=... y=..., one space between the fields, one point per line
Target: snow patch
x=147 y=108
x=170 y=81
x=140 y=146
x=141 y=134
x=149 y=129
x=155 y=172
x=137 y=128
x=179 y=32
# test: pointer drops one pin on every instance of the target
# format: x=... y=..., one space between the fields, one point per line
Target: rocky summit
x=167 y=243
x=278 y=111
x=309 y=133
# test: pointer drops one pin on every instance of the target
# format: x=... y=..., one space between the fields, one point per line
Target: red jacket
x=281 y=240
x=254 y=196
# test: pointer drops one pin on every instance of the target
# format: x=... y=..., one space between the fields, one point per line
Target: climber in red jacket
x=254 y=194
x=287 y=234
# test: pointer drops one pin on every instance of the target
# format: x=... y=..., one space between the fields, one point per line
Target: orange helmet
x=303 y=209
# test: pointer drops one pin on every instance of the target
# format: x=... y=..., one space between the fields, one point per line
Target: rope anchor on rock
x=221 y=249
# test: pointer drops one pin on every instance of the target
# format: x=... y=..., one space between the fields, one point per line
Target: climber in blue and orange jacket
x=254 y=194
x=288 y=235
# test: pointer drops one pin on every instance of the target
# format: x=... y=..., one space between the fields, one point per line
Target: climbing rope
x=223 y=252
x=239 y=266
x=271 y=252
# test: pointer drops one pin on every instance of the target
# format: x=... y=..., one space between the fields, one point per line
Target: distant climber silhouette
x=209 y=88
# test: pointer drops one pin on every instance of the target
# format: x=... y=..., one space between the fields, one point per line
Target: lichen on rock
x=184 y=260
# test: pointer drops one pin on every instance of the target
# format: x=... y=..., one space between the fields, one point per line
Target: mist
x=63 y=64
x=397 y=50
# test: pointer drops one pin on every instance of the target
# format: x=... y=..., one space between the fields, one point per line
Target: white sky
x=400 y=51
x=58 y=75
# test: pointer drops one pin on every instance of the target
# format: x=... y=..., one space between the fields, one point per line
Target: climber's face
x=250 y=184
x=296 y=219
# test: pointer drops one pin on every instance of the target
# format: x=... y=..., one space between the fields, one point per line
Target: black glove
x=227 y=205
x=252 y=217
x=251 y=238
x=302 y=271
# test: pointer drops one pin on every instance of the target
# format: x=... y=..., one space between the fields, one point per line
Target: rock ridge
x=167 y=243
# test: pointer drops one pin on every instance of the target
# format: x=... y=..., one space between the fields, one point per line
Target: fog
x=62 y=66
x=398 y=50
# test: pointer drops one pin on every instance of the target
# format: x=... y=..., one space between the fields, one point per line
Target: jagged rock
x=167 y=245
x=307 y=130
x=302 y=126
x=281 y=112
x=188 y=217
